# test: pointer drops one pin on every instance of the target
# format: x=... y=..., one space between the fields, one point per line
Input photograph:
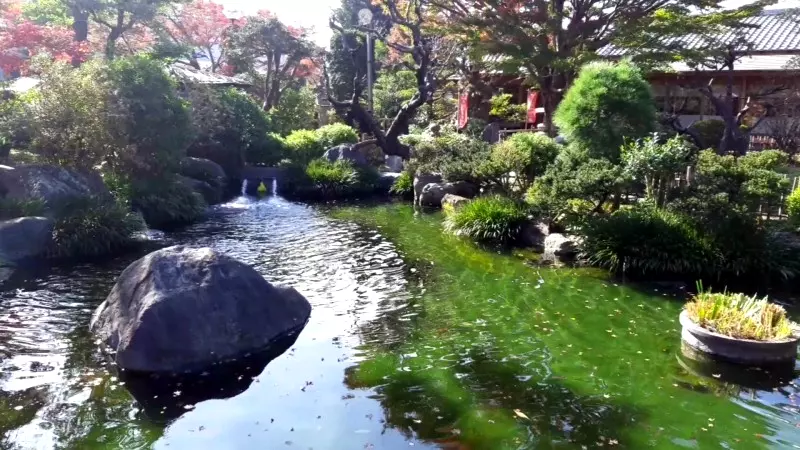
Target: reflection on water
x=414 y=339
x=166 y=397
x=57 y=392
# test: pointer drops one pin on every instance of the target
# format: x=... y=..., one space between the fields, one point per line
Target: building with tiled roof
x=771 y=49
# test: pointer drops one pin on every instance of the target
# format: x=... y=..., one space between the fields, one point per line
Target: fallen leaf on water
x=521 y=414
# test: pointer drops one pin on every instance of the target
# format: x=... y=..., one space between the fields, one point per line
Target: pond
x=416 y=339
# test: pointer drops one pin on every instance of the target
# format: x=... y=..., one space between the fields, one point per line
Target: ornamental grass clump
x=488 y=220
x=403 y=186
x=332 y=179
x=93 y=227
x=741 y=317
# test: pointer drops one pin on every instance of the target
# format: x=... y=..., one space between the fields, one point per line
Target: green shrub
x=607 y=104
x=724 y=241
x=488 y=219
x=12 y=208
x=332 y=179
x=90 y=227
x=646 y=240
x=764 y=160
x=502 y=108
x=18 y=157
x=709 y=132
x=392 y=90
x=526 y=154
x=324 y=180
x=458 y=157
x=336 y=134
x=747 y=246
x=296 y=110
x=13 y=124
x=125 y=114
x=575 y=175
x=403 y=186
x=747 y=181
x=741 y=317
x=793 y=207
x=304 y=146
x=165 y=202
x=271 y=153
x=230 y=129
x=655 y=163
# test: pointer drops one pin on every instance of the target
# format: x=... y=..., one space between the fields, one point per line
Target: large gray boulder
x=50 y=184
x=203 y=169
x=433 y=193
x=24 y=238
x=346 y=152
x=210 y=194
x=560 y=248
x=421 y=180
x=183 y=309
x=454 y=201
x=533 y=235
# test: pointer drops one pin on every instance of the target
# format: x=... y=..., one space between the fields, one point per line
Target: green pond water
x=417 y=339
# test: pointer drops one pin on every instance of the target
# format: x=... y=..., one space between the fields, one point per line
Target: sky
x=307 y=13
x=315 y=13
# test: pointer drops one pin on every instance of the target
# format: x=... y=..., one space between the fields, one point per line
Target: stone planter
x=740 y=351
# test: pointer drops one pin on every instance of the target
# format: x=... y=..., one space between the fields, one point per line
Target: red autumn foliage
x=201 y=25
x=21 y=39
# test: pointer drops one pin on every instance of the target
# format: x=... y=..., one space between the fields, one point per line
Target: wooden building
x=768 y=73
x=771 y=64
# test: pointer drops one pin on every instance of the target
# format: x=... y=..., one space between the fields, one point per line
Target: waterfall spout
x=244 y=188
x=274 y=186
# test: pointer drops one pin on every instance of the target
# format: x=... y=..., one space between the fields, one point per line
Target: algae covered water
x=416 y=339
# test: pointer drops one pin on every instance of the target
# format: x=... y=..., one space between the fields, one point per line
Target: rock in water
x=50 y=184
x=202 y=169
x=209 y=193
x=24 y=238
x=346 y=152
x=433 y=193
x=454 y=201
x=421 y=180
x=183 y=309
x=560 y=248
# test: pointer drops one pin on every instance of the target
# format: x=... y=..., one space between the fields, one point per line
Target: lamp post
x=365 y=19
x=233 y=15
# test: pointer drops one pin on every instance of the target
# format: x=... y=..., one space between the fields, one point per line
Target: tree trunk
x=80 y=24
x=550 y=88
x=479 y=92
x=111 y=44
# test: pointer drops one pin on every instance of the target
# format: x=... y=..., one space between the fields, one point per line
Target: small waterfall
x=244 y=188
x=274 y=186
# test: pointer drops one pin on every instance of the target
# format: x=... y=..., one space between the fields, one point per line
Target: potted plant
x=739 y=328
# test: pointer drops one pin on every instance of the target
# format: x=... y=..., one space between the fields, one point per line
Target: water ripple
x=350 y=275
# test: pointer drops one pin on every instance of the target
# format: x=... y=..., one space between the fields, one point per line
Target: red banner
x=533 y=100
x=463 y=110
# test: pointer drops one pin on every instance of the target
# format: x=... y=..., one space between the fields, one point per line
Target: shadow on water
x=164 y=398
x=469 y=409
x=764 y=377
